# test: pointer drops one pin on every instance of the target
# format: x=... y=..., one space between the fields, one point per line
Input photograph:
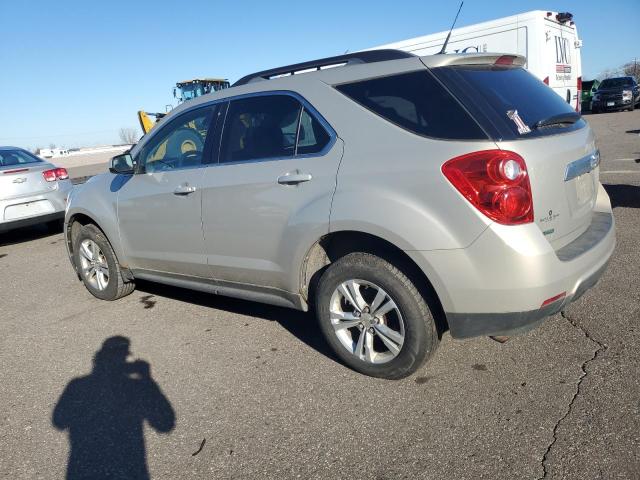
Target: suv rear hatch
x=525 y=116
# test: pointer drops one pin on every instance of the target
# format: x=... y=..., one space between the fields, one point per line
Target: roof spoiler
x=504 y=59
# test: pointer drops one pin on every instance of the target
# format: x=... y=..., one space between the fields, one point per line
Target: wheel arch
x=335 y=245
x=74 y=223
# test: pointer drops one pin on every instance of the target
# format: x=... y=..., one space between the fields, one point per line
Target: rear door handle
x=294 y=178
x=184 y=190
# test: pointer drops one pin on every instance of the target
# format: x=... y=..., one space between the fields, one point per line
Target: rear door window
x=502 y=96
x=260 y=127
x=416 y=102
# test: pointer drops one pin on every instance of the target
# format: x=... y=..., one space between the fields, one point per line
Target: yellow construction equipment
x=183 y=91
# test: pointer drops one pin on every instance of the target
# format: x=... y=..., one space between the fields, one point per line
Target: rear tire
x=98 y=265
x=396 y=341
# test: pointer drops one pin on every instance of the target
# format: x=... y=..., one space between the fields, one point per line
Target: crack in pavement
x=583 y=368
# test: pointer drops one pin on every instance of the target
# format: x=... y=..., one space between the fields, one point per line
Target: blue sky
x=74 y=72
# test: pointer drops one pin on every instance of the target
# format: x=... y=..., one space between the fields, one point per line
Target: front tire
x=98 y=266
x=374 y=318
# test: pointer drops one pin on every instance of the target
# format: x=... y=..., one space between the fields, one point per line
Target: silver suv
x=397 y=195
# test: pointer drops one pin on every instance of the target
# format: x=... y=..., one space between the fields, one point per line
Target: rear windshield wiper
x=562 y=119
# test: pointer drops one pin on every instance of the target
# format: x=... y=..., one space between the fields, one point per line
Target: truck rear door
x=561 y=61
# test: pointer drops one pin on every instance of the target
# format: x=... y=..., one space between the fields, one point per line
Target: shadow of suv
x=384 y=190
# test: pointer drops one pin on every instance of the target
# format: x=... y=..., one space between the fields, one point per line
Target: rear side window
x=10 y=158
x=416 y=102
x=312 y=137
x=495 y=93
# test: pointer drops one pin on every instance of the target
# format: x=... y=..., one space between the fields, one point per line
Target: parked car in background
x=620 y=93
x=31 y=190
x=387 y=193
x=588 y=89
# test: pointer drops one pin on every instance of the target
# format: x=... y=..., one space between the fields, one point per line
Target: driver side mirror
x=122 y=164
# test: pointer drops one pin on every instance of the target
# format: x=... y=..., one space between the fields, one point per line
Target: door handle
x=184 y=190
x=294 y=178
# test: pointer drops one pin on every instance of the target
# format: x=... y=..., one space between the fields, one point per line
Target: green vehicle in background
x=588 y=89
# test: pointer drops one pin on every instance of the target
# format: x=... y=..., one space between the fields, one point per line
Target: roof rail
x=370 y=56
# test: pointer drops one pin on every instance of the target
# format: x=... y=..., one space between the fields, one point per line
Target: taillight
x=546 y=80
x=55 y=174
x=579 y=101
x=496 y=182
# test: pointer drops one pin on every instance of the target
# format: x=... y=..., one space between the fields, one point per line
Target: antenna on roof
x=446 y=42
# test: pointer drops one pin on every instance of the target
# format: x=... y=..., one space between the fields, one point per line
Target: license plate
x=29 y=209
x=610 y=104
x=584 y=188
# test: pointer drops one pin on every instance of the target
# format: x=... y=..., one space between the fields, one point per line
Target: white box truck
x=549 y=41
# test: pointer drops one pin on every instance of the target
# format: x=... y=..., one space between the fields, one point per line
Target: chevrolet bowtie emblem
x=20 y=180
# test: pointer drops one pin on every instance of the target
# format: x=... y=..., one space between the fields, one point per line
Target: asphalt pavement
x=228 y=389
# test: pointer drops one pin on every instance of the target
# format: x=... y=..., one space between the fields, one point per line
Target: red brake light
x=62 y=174
x=578 y=102
x=505 y=60
x=496 y=182
x=49 y=175
x=55 y=174
x=6 y=172
x=546 y=80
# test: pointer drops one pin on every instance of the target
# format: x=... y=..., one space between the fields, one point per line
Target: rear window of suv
x=416 y=102
x=493 y=93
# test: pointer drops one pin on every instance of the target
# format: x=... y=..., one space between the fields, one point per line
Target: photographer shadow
x=105 y=411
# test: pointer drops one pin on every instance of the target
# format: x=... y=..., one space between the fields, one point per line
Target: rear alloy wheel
x=367 y=321
x=98 y=266
x=374 y=318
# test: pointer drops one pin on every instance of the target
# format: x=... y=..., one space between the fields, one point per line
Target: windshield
x=189 y=92
x=11 y=158
x=510 y=99
x=615 y=83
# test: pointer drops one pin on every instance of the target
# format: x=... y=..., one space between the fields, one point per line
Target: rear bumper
x=464 y=325
x=499 y=284
x=57 y=199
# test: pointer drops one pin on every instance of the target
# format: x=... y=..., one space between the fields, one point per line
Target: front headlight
x=626 y=94
x=596 y=97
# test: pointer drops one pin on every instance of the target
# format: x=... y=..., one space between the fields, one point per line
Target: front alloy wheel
x=94 y=265
x=98 y=265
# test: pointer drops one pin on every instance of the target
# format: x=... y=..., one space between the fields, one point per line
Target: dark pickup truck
x=619 y=93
